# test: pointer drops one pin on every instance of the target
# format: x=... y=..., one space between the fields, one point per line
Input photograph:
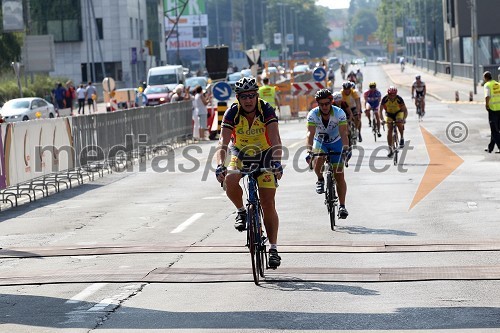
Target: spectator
x=69 y=95
x=180 y=94
x=80 y=94
x=200 y=110
x=59 y=94
x=91 y=96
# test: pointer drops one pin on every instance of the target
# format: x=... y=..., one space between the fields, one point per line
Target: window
x=98 y=24
x=131 y=28
x=61 y=18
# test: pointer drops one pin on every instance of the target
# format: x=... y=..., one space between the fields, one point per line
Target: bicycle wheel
x=252 y=243
x=261 y=254
x=330 y=199
x=395 y=145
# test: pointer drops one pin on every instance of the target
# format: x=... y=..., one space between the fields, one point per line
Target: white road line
x=186 y=223
x=211 y=198
x=85 y=293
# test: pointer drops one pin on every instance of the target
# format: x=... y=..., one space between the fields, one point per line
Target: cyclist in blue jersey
x=372 y=103
x=327 y=132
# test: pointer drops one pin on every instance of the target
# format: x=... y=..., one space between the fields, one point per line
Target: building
x=457 y=28
x=95 y=39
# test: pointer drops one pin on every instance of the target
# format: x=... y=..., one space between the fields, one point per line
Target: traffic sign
x=108 y=84
x=319 y=74
x=222 y=91
x=306 y=88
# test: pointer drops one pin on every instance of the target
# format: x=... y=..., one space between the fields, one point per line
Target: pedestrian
x=80 y=94
x=91 y=96
x=180 y=94
x=492 y=104
x=200 y=105
x=59 y=94
x=69 y=95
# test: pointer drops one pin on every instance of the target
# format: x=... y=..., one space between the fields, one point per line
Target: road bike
x=395 y=141
x=256 y=240
x=420 y=112
x=353 y=133
x=331 y=198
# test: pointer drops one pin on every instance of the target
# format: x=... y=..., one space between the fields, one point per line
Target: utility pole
x=394 y=32
x=425 y=35
x=450 y=18
x=474 y=42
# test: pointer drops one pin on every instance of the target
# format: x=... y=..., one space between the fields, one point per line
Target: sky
x=334 y=4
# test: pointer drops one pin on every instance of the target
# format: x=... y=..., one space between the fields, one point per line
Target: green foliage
x=41 y=87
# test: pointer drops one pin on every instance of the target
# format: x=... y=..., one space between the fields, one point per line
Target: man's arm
x=405 y=110
x=343 y=134
x=275 y=139
x=225 y=137
x=358 y=104
x=311 y=131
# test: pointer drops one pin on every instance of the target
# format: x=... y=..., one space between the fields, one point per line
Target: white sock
x=274 y=247
x=242 y=209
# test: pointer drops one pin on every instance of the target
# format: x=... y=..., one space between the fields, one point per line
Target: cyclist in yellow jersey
x=269 y=94
x=351 y=97
x=395 y=111
x=250 y=131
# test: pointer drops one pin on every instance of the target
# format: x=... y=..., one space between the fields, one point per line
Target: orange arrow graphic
x=442 y=162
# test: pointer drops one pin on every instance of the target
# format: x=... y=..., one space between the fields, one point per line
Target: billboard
x=38 y=53
x=191 y=32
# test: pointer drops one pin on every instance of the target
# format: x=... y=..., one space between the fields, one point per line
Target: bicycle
x=353 y=133
x=395 y=141
x=331 y=198
x=256 y=241
x=420 y=113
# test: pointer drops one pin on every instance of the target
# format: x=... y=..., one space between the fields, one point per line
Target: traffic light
x=149 y=44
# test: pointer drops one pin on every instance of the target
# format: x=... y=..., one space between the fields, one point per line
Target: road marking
x=472 y=204
x=295 y=144
x=85 y=293
x=186 y=223
x=211 y=198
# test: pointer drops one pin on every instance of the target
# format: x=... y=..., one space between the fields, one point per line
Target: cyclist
x=327 y=131
x=395 y=110
x=372 y=102
x=418 y=89
x=359 y=79
x=351 y=97
x=250 y=131
x=352 y=77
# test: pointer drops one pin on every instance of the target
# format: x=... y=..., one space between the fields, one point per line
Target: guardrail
x=40 y=156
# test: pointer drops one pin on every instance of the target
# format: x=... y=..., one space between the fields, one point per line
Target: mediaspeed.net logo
x=442 y=160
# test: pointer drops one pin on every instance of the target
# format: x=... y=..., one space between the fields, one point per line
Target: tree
x=10 y=46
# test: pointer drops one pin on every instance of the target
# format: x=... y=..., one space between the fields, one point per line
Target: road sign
x=319 y=74
x=108 y=84
x=306 y=88
x=222 y=91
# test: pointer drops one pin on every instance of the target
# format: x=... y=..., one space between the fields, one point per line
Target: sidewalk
x=439 y=86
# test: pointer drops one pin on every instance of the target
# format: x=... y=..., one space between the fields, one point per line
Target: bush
x=41 y=87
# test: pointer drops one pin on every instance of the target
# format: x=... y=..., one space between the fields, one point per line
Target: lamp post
x=473 y=5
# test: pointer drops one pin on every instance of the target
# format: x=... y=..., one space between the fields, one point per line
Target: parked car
x=22 y=109
x=246 y=73
x=157 y=95
x=196 y=81
x=233 y=78
x=301 y=69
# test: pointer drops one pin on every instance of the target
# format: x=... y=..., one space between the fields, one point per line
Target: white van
x=170 y=75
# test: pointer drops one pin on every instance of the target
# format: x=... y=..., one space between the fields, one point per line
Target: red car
x=157 y=95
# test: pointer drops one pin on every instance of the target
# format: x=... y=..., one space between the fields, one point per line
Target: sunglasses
x=247 y=96
x=325 y=104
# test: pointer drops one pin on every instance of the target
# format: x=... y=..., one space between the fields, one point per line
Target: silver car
x=22 y=109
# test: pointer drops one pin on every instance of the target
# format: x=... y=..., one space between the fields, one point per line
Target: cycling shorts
x=263 y=159
x=354 y=111
x=419 y=94
x=321 y=147
x=368 y=106
x=391 y=117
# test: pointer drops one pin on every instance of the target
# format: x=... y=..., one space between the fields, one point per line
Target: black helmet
x=323 y=93
x=245 y=84
x=346 y=85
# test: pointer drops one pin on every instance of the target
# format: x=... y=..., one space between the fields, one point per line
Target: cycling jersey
x=329 y=133
x=351 y=98
x=373 y=97
x=419 y=87
x=249 y=139
x=393 y=106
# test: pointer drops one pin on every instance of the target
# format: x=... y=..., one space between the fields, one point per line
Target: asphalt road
x=155 y=250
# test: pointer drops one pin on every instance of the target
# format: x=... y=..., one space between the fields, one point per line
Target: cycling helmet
x=353 y=85
x=322 y=94
x=245 y=84
x=392 y=90
x=372 y=85
x=346 y=85
x=417 y=77
x=337 y=96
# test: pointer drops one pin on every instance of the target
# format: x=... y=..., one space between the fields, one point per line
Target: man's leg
x=233 y=189
x=271 y=219
x=495 y=127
